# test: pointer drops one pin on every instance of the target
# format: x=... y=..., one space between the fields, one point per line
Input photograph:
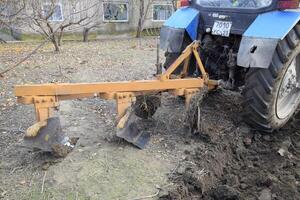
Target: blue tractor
x=250 y=44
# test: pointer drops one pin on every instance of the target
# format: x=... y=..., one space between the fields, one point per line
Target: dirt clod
x=247 y=141
x=265 y=195
x=224 y=192
x=61 y=151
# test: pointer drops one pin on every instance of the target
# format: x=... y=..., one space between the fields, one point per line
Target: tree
x=174 y=4
x=144 y=8
x=87 y=29
x=47 y=20
x=96 y=22
x=86 y=18
x=10 y=11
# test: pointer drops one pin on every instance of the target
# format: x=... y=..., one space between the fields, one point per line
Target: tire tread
x=260 y=83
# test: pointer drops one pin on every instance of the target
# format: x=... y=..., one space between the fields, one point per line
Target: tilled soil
x=231 y=162
x=227 y=160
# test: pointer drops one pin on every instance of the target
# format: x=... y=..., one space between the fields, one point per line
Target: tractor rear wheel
x=272 y=95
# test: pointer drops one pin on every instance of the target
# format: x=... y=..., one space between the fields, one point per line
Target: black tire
x=262 y=86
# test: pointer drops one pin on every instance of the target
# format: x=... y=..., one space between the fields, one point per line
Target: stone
x=181 y=169
x=265 y=194
x=247 y=141
x=243 y=186
x=245 y=130
x=267 y=138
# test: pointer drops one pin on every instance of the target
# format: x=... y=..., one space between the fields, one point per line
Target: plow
x=133 y=99
x=207 y=43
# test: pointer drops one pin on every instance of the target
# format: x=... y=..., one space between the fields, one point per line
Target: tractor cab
x=237 y=14
x=230 y=16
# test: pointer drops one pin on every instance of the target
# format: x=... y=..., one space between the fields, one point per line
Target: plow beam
x=67 y=89
x=47 y=96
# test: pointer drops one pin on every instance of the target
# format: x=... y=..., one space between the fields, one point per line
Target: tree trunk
x=139 y=29
x=55 y=44
x=59 y=38
x=141 y=19
x=174 y=3
x=86 y=34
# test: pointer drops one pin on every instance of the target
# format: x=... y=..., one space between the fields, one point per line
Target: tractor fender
x=184 y=20
x=261 y=38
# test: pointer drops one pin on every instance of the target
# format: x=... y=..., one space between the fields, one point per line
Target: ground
x=226 y=161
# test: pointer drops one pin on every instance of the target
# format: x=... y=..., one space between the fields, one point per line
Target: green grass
x=31 y=37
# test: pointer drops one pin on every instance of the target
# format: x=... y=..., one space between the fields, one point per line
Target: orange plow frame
x=45 y=97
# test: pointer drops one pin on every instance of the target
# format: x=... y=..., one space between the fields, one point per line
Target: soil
x=227 y=160
x=233 y=162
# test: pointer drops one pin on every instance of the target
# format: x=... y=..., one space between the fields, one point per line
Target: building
x=107 y=16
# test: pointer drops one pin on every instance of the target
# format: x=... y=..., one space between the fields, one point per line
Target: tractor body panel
x=185 y=20
x=273 y=25
x=261 y=38
x=256 y=52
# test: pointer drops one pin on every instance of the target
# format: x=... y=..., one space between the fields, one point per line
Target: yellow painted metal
x=45 y=97
x=63 y=89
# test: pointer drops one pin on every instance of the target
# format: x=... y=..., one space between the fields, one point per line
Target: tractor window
x=251 y=4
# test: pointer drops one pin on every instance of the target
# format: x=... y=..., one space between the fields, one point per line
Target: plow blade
x=46 y=136
x=128 y=130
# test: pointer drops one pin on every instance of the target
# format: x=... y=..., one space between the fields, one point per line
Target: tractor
x=237 y=44
x=249 y=44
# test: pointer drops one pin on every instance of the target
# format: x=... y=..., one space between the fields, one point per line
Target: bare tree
x=144 y=8
x=87 y=29
x=174 y=4
x=88 y=18
x=10 y=11
x=42 y=19
x=92 y=24
x=63 y=26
